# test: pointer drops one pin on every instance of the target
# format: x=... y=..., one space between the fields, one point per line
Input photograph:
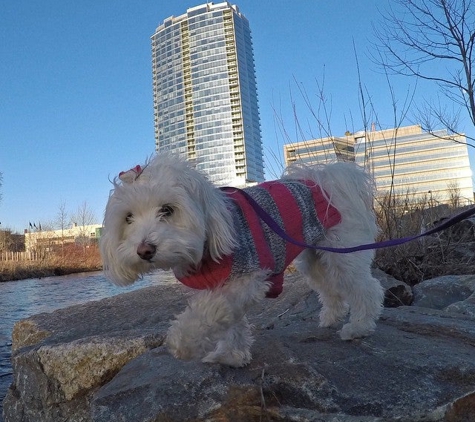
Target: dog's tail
x=348 y=188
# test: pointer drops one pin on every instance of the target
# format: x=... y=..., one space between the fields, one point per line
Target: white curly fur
x=170 y=216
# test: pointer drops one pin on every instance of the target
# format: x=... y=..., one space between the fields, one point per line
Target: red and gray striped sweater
x=299 y=207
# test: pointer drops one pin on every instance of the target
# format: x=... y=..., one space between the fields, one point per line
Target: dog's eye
x=166 y=211
x=129 y=218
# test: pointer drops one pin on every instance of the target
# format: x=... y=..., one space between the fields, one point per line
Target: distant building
x=418 y=164
x=322 y=150
x=11 y=242
x=410 y=163
x=205 y=95
x=50 y=240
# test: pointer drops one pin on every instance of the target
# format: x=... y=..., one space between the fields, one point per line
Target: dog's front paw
x=234 y=348
x=351 y=331
x=330 y=317
x=185 y=343
x=176 y=346
x=234 y=358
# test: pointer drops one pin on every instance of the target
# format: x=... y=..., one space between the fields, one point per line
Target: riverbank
x=72 y=262
x=23 y=298
x=24 y=271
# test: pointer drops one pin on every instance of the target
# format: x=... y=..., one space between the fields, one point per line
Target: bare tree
x=455 y=194
x=84 y=218
x=432 y=40
x=84 y=215
x=62 y=222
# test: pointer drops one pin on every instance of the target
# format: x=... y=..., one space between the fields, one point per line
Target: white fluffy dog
x=167 y=215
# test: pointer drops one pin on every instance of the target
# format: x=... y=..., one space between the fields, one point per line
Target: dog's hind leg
x=334 y=307
x=351 y=274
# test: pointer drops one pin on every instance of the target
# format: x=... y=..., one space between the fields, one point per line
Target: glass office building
x=320 y=151
x=205 y=95
x=420 y=165
x=407 y=161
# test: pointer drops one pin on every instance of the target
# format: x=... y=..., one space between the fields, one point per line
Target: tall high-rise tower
x=205 y=95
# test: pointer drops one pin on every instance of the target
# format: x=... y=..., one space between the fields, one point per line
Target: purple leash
x=264 y=216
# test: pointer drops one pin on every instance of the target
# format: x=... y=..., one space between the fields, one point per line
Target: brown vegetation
x=71 y=259
x=451 y=251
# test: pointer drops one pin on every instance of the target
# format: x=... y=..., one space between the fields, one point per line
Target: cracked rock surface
x=105 y=361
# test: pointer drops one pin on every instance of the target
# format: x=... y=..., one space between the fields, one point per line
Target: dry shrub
x=451 y=251
x=72 y=258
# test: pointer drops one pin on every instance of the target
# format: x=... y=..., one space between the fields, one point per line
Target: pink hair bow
x=130 y=175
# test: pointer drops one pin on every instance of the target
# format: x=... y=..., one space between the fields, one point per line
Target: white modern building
x=322 y=150
x=411 y=164
x=50 y=240
x=205 y=95
x=417 y=164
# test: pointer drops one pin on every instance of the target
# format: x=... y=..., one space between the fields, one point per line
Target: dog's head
x=163 y=215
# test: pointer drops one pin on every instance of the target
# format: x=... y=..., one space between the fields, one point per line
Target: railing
x=21 y=256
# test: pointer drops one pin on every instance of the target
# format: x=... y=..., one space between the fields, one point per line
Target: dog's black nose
x=146 y=251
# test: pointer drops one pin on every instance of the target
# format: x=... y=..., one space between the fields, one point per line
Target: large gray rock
x=105 y=361
x=60 y=358
x=451 y=293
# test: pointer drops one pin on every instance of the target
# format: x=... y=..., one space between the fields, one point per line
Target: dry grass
x=72 y=259
x=451 y=251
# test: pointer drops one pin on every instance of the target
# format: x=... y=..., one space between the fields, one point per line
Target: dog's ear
x=113 y=268
x=219 y=227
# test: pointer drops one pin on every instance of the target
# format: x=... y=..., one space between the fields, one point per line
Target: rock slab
x=105 y=361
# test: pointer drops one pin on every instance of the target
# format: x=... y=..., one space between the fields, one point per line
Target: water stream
x=21 y=299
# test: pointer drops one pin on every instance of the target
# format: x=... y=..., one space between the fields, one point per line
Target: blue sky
x=76 y=103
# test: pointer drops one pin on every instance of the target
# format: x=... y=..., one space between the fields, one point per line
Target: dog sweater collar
x=300 y=208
